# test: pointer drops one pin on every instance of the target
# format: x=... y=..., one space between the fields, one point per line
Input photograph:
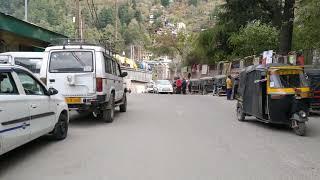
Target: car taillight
x=99 y=83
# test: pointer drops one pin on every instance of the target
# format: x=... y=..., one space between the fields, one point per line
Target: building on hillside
x=18 y=35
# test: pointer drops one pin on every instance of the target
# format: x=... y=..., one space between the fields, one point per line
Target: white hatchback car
x=163 y=86
x=28 y=109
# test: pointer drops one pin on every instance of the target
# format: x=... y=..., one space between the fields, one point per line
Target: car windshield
x=163 y=82
x=33 y=64
x=288 y=79
x=71 y=61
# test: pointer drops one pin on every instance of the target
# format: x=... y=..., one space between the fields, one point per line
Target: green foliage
x=165 y=3
x=124 y=15
x=254 y=38
x=12 y=7
x=211 y=45
x=306 y=32
x=193 y=2
x=138 y=16
x=106 y=17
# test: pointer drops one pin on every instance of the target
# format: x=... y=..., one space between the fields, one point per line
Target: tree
x=193 y=2
x=307 y=25
x=287 y=27
x=165 y=3
x=106 y=17
x=124 y=15
x=138 y=16
x=254 y=38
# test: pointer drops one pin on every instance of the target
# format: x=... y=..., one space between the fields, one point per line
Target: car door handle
x=52 y=80
x=34 y=106
x=1 y=109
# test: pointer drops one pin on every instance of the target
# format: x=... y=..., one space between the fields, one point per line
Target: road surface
x=170 y=137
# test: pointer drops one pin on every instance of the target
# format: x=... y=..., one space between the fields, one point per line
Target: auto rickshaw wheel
x=299 y=128
x=240 y=115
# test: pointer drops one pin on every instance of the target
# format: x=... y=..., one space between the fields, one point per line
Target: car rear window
x=71 y=62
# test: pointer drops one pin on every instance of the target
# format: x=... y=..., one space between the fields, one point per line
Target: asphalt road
x=169 y=137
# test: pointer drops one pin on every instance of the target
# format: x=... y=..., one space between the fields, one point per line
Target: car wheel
x=60 y=131
x=107 y=115
x=240 y=115
x=300 y=128
x=123 y=107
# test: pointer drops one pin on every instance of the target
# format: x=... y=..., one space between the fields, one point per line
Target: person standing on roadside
x=178 y=85
x=229 y=87
x=184 y=86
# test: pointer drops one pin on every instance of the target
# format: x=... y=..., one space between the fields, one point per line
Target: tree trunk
x=287 y=27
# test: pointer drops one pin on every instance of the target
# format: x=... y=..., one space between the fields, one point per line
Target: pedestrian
x=189 y=86
x=229 y=87
x=178 y=85
x=184 y=86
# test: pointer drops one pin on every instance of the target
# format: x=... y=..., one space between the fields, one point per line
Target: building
x=18 y=35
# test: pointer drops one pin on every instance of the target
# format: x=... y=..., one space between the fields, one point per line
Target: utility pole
x=26 y=10
x=116 y=19
x=78 y=19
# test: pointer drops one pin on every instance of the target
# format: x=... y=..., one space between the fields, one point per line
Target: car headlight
x=302 y=114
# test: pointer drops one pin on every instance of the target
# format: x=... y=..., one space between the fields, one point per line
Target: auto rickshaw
x=219 y=85
x=274 y=93
x=195 y=86
x=206 y=85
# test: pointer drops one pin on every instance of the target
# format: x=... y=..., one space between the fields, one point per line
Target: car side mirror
x=124 y=74
x=52 y=91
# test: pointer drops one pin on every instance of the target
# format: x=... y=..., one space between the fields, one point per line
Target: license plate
x=73 y=100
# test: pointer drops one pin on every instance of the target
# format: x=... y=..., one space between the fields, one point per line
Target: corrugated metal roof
x=26 y=29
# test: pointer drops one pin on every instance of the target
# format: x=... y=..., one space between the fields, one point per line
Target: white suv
x=28 y=109
x=88 y=77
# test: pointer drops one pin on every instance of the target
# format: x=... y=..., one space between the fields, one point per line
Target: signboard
x=267 y=56
x=205 y=69
x=184 y=69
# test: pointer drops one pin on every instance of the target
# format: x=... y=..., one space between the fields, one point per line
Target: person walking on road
x=184 y=86
x=229 y=87
x=178 y=85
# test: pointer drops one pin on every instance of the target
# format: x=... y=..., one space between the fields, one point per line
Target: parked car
x=150 y=88
x=30 y=60
x=163 y=86
x=89 y=78
x=28 y=109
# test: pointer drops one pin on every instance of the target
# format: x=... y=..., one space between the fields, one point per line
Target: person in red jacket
x=179 y=85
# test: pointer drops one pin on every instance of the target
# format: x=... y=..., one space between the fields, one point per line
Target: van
x=30 y=60
x=88 y=77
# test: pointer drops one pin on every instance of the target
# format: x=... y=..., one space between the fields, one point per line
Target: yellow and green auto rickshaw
x=274 y=93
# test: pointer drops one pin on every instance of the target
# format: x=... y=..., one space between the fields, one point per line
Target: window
x=30 y=85
x=33 y=64
x=7 y=85
x=115 y=68
x=71 y=62
x=288 y=79
x=108 y=64
x=118 y=69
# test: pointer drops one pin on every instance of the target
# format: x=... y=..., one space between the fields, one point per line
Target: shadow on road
x=311 y=130
x=87 y=119
x=22 y=153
